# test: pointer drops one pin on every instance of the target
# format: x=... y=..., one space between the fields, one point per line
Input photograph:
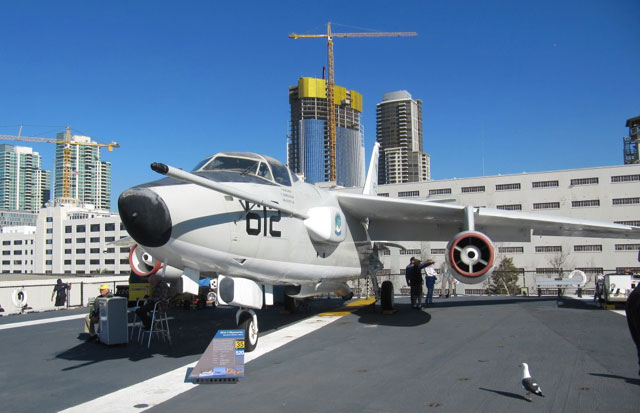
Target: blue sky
x=507 y=86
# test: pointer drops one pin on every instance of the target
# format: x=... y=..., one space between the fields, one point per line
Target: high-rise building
x=24 y=185
x=90 y=180
x=631 y=142
x=399 y=132
x=308 y=146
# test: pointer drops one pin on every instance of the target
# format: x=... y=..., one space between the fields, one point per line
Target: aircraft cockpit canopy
x=247 y=164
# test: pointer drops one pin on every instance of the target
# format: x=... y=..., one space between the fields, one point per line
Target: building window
x=94 y=262
x=109 y=262
x=508 y=187
x=632 y=223
x=511 y=250
x=584 y=181
x=110 y=227
x=109 y=239
x=49 y=219
x=408 y=194
x=67 y=229
x=546 y=205
x=67 y=262
x=384 y=194
x=49 y=230
x=6 y=252
x=80 y=240
x=124 y=261
x=80 y=262
x=48 y=262
x=626 y=201
x=94 y=239
x=586 y=203
x=49 y=252
x=441 y=191
x=6 y=262
x=544 y=184
x=95 y=228
x=410 y=252
x=438 y=251
x=548 y=271
x=66 y=240
x=17 y=262
x=94 y=250
x=549 y=248
x=472 y=189
x=627 y=247
x=110 y=250
x=49 y=241
x=80 y=250
x=6 y=242
x=510 y=207
x=625 y=178
x=587 y=248
x=67 y=251
x=81 y=228
x=17 y=242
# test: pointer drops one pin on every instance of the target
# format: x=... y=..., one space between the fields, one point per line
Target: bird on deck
x=529 y=383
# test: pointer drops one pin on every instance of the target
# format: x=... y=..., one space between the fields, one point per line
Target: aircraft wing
x=411 y=220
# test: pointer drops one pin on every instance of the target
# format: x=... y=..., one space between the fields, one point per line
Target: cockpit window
x=280 y=173
x=201 y=163
x=263 y=171
x=227 y=163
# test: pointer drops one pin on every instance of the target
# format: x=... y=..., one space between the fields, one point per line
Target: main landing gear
x=247 y=320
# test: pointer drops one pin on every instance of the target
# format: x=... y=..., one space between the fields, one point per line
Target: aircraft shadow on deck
x=481 y=301
x=403 y=316
x=629 y=380
x=191 y=333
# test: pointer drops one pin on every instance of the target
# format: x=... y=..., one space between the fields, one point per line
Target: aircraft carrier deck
x=462 y=354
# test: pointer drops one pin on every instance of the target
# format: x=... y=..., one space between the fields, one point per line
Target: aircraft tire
x=386 y=296
x=291 y=304
x=250 y=332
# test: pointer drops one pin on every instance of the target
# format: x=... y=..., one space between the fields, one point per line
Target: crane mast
x=331 y=115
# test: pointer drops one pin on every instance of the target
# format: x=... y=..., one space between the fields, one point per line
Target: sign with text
x=223 y=360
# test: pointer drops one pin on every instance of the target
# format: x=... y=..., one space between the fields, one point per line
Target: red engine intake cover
x=471 y=254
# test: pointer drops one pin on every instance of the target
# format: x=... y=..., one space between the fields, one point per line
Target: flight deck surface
x=462 y=354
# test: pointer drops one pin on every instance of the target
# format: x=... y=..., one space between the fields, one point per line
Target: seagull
x=529 y=383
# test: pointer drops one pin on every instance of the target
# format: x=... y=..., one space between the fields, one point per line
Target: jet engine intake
x=143 y=264
x=471 y=255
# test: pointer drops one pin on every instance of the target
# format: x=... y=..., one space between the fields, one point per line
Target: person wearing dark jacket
x=60 y=291
x=413 y=275
x=632 y=309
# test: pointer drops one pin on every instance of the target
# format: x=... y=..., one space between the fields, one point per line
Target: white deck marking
x=43 y=321
x=156 y=390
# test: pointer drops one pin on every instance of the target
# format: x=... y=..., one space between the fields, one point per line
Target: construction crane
x=66 y=153
x=331 y=82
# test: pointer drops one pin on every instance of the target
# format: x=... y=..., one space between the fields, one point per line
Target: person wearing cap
x=93 y=317
x=413 y=275
x=430 y=281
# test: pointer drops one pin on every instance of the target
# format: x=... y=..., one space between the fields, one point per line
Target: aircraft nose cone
x=145 y=216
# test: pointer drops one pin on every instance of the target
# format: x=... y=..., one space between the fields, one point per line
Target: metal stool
x=159 y=325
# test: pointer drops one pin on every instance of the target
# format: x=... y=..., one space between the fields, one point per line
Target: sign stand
x=222 y=361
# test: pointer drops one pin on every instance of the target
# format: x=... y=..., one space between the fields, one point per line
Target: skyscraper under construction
x=308 y=146
x=399 y=132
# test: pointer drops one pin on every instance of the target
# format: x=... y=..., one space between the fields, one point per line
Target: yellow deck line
x=351 y=307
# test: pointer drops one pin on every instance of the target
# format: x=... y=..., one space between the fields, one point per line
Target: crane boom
x=331 y=81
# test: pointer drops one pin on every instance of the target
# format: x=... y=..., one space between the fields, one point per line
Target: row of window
x=110 y=226
x=517 y=186
x=18 y=242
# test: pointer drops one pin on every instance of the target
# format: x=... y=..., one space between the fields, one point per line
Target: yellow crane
x=331 y=82
x=66 y=153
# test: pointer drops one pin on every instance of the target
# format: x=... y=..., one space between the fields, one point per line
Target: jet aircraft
x=247 y=222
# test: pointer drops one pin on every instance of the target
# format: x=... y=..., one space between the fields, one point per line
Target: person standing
x=430 y=280
x=632 y=309
x=413 y=275
x=61 y=290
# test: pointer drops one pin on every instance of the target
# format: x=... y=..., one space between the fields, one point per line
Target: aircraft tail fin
x=371 y=183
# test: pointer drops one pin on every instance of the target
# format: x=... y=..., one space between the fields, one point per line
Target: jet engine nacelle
x=143 y=264
x=470 y=254
x=323 y=287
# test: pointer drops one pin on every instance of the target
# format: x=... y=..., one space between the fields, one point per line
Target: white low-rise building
x=609 y=194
